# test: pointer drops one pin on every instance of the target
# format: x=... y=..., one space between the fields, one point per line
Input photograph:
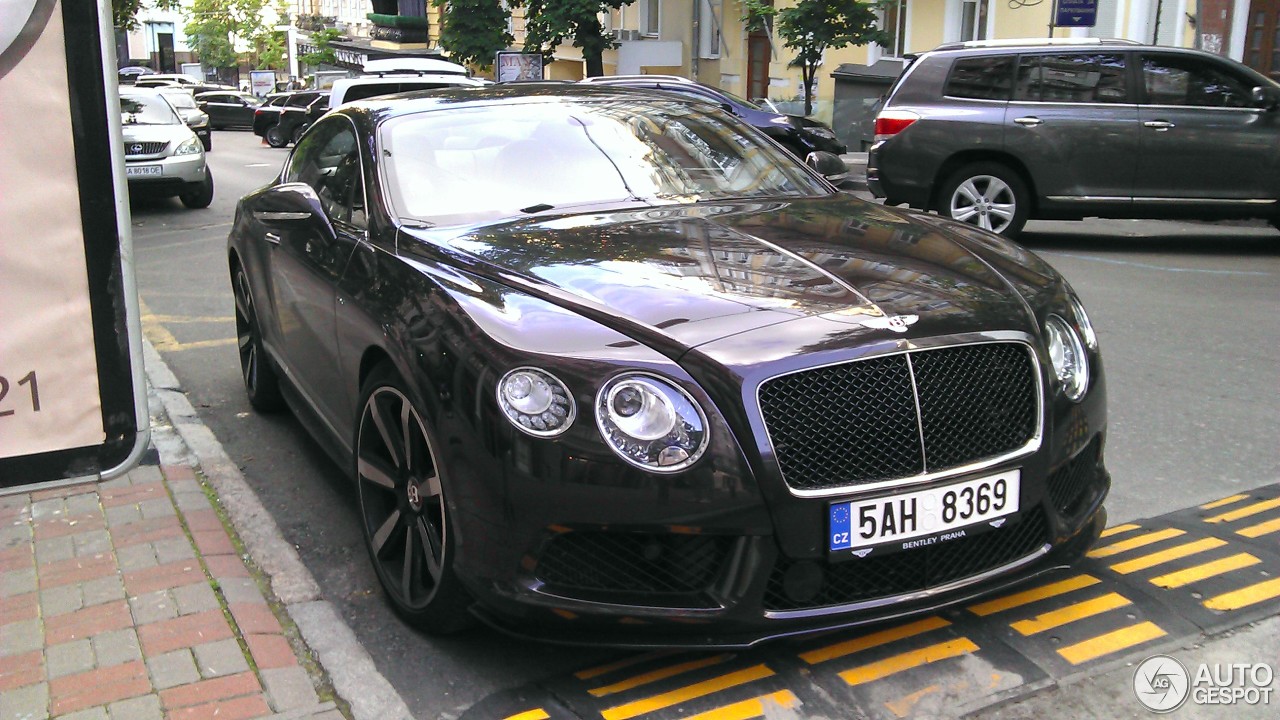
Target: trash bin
x=858 y=91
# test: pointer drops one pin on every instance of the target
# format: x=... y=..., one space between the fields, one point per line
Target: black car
x=608 y=366
x=228 y=109
x=283 y=118
x=800 y=135
x=998 y=133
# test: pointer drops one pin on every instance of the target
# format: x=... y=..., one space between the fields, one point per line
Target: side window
x=981 y=78
x=1072 y=78
x=328 y=159
x=1172 y=80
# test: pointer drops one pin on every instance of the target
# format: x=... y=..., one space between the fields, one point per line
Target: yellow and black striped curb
x=1144 y=585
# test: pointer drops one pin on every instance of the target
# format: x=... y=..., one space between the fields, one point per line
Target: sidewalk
x=129 y=599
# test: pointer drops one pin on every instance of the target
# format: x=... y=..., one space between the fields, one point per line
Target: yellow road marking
x=908 y=660
x=536 y=714
x=1111 y=642
x=1025 y=597
x=623 y=663
x=1263 y=528
x=706 y=687
x=1164 y=556
x=1245 y=511
x=1137 y=542
x=185 y=319
x=164 y=341
x=753 y=708
x=656 y=675
x=1244 y=597
x=1118 y=529
x=1223 y=501
x=1207 y=570
x=903 y=706
x=848 y=647
x=1071 y=613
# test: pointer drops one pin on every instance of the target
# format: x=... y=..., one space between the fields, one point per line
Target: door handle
x=1028 y=121
x=1158 y=125
x=272 y=238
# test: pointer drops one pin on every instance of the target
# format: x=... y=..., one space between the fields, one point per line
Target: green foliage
x=324 y=54
x=473 y=31
x=397 y=21
x=216 y=27
x=756 y=15
x=550 y=22
x=124 y=13
x=812 y=26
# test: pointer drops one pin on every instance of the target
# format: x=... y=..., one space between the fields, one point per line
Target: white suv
x=395 y=75
x=162 y=156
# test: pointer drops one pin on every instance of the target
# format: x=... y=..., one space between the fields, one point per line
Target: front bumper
x=175 y=173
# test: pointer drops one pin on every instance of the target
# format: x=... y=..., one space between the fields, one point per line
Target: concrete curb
x=352 y=671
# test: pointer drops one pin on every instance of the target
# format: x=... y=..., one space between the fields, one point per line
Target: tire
x=207 y=140
x=407 y=528
x=275 y=136
x=297 y=133
x=988 y=195
x=261 y=383
x=200 y=195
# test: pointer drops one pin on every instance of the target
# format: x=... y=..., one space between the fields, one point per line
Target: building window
x=893 y=20
x=649 y=17
x=973 y=20
x=709 y=28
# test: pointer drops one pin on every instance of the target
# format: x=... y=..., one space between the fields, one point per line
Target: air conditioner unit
x=625 y=35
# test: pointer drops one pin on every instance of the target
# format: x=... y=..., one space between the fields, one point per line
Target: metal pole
x=1053 y=15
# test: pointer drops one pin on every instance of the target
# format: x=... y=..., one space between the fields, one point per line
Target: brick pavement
x=127 y=600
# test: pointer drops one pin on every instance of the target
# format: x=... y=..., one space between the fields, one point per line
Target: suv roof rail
x=1016 y=42
x=412 y=66
x=623 y=78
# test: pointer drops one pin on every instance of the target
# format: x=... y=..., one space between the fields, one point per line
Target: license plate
x=926 y=517
x=137 y=170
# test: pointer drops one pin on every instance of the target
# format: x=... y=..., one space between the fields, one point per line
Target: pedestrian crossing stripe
x=1263 y=528
x=907 y=660
x=754 y=708
x=1246 y=596
x=1204 y=571
x=1136 y=542
x=1245 y=511
x=1147 y=562
x=1224 y=501
x=1111 y=642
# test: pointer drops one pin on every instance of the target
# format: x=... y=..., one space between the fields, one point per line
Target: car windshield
x=478 y=164
x=182 y=100
x=146 y=110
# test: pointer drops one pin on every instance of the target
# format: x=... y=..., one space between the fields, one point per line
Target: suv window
x=328 y=159
x=300 y=100
x=981 y=78
x=1172 y=80
x=361 y=92
x=1072 y=78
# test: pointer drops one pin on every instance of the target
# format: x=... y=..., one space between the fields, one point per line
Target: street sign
x=72 y=398
x=1076 y=13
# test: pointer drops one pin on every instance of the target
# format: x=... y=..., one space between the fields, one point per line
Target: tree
x=550 y=22
x=324 y=54
x=473 y=31
x=124 y=13
x=812 y=26
x=217 y=28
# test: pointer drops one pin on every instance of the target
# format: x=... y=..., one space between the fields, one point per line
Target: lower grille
x=647 y=563
x=144 y=148
x=1069 y=484
x=914 y=570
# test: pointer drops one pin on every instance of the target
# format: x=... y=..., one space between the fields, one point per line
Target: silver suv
x=162 y=156
x=997 y=133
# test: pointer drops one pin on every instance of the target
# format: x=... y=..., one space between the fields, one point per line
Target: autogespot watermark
x=1163 y=684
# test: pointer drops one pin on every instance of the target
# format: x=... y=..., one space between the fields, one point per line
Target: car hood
x=680 y=277
x=172 y=133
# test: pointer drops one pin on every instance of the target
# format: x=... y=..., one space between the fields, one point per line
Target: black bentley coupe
x=609 y=366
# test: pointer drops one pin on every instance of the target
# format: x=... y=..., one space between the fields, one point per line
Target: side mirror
x=293 y=205
x=1266 y=97
x=828 y=165
x=728 y=108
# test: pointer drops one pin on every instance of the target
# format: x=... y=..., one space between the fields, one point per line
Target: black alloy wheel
x=261 y=383
x=403 y=509
x=276 y=137
x=297 y=133
x=988 y=195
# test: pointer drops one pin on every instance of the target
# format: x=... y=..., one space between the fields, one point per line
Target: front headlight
x=536 y=401
x=1083 y=322
x=651 y=423
x=1066 y=352
x=190 y=146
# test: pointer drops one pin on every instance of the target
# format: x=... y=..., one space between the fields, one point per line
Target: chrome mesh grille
x=632 y=562
x=144 y=148
x=867 y=421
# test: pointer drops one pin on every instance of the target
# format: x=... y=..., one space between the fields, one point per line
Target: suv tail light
x=892 y=122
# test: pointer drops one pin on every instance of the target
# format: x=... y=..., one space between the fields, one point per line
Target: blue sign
x=1076 y=13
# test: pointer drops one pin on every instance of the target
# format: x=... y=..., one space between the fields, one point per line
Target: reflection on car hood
x=171 y=133
x=698 y=273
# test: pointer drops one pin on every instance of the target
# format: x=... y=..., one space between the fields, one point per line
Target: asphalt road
x=1188 y=316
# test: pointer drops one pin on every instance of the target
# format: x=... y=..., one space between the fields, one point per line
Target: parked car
x=228 y=109
x=800 y=135
x=609 y=366
x=162 y=155
x=994 y=134
x=284 y=117
x=190 y=112
x=396 y=75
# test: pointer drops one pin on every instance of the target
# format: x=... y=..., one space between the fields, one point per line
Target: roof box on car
x=412 y=66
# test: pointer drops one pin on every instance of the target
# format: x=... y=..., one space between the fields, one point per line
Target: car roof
x=624 y=79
